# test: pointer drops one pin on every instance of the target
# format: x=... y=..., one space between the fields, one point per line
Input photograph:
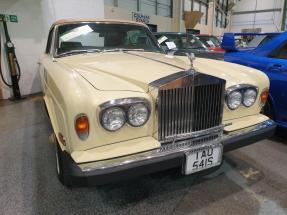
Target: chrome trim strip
x=123 y=102
x=159 y=61
x=167 y=79
x=240 y=87
x=254 y=128
x=217 y=129
x=173 y=148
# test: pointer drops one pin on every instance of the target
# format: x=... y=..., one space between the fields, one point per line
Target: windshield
x=259 y=40
x=209 y=41
x=182 y=41
x=92 y=37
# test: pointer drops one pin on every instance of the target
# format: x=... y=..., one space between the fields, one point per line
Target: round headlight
x=113 y=118
x=234 y=100
x=249 y=97
x=138 y=114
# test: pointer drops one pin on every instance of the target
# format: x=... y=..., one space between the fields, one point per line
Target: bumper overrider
x=166 y=157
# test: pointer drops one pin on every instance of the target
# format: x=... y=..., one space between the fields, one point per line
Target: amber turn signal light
x=264 y=97
x=82 y=126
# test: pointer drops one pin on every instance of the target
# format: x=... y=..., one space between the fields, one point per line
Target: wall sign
x=139 y=17
x=13 y=18
x=8 y=18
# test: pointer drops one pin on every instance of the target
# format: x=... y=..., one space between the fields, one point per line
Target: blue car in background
x=270 y=56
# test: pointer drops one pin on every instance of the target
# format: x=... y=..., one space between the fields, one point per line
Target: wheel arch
x=271 y=101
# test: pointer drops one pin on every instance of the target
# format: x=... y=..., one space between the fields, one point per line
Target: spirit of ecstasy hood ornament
x=191 y=58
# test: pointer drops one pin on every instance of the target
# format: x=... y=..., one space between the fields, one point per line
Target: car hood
x=134 y=71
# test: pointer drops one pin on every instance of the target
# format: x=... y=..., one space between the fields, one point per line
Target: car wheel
x=268 y=110
x=63 y=177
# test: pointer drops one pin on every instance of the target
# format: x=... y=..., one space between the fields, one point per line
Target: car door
x=276 y=69
x=275 y=66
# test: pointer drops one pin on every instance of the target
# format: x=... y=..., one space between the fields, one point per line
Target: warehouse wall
x=29 y=35
x=163 y=23
x=267 y=21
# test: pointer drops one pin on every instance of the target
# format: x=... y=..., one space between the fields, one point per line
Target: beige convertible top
x=71 y=21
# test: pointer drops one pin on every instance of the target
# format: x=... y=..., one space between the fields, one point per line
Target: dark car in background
x=182 y=43
x=211 y=42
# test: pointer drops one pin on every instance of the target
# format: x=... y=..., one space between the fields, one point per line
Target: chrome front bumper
x=166 y=157
x=230 y=142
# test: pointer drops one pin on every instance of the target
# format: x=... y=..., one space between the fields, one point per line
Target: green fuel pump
x=14 y=67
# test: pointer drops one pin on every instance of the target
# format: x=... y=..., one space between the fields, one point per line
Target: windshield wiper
x=122 y=50
x=72 y=52
x=197 y=47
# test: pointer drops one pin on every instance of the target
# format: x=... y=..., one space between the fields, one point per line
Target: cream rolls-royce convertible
x=121 y=107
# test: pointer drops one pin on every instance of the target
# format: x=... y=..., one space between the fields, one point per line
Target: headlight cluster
x=249 y=97
x=241 y=94
x=134 y=111
x=138 y=114
x=113 y=118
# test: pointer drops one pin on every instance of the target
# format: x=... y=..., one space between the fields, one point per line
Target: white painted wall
x=29 y=35
x=268 y=21
x=163 y=23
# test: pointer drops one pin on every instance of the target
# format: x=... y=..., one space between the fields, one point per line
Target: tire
x=268 y=110
x=62 y=173
x=46 y=110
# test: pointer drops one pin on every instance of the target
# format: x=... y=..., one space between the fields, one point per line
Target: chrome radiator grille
x=189 y=109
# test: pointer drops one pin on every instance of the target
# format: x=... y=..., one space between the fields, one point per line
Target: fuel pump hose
x=1 y=72
x=14 y=58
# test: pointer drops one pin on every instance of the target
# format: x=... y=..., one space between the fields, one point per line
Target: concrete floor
x=252 y=180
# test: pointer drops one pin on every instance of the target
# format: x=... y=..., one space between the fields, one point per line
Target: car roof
x=75 y=21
